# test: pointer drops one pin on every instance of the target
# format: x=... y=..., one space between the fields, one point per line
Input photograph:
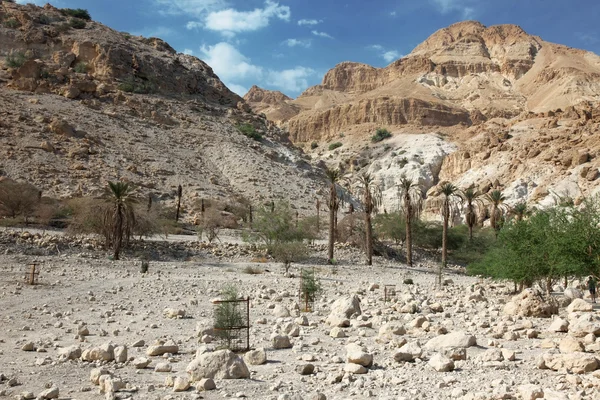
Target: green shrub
x=248 y=130
x=64 y=27
x=12 y=23
x=250 y=270
x=77 y=13
x=314 y=145
x=44 y=19
x=77 y=23
x=310 y=287
x=380 y=134
x=15 y=59
x=131 y=85
x=228 y=315
x=408 y=281
x=81 y=67
x=335 y=145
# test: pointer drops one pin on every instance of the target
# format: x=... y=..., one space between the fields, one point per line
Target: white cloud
x=231 y=21
x=237 y=89
x=387 y=55
x=193 y=25
x=309 y=21
x=196 y=8
x=158 y=32
x=297 y=42
x=322 y=34
x=391 y=55
x=189 y=52
x=229 y=63
x=292 y=80
x=460 y=6
x=377 y=47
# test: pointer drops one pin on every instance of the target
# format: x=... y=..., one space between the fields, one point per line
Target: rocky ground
x=94 y=328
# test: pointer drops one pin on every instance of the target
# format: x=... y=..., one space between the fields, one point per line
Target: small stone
x=305 y=369
x=206 y=384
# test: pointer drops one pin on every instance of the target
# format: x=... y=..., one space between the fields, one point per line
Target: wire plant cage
x=308 y=290
x=389 y=292
x=232 y=324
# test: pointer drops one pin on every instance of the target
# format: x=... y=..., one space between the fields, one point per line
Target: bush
x=18 y=198
x=314 y=145
x=250 y=270
x=44 y=19
x=77 y=23
x=380 y=134
x=12 y=23
x=131 y=85
x=288 y=252
x=81 y=68
x=15 y=59
x=335 y=145
x=248 y=130
x=76 y=13
x=210 y=225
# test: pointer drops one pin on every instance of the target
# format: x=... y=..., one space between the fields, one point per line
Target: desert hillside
x=81 y=104
x=491 y=106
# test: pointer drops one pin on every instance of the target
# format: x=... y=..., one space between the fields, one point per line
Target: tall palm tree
x=451 y=195
x=179 y=193
x=473 y=198
x=371 y=201
x=121 y=216
x=333 y=176
x=412 y=200
x=495 y=198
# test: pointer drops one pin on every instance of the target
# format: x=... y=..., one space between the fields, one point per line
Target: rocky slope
x=79 y=107
x=509 y=108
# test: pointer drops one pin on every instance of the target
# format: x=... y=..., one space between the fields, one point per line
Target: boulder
x=531 y=303
x=576 y=363
x=352 y=368
x=280 y=311
x=579 y=305
x=343 y=309
x=573 y=293
x=256 y=357
x=451 y=340
x=559 y=325
x=220 y=364
x=206 y=384
x=356 y=354
x=174 y=313
x=530 y=392
x=181 y=384
x=584 y=325
x=281 y=341
x=569 y=344
x=70 y=353
x=391 y=329
x=160 y=349
x=409 y=352
x=441 y=363
x=102 y=353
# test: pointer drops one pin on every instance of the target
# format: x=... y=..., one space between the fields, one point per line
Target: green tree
x=333 y=176
x=410 y=193
x=122 y=215
x=450 y=196
x=371 y=201
x=521 y=210
x=18 y=198
x=474 y=203
x=495 y=200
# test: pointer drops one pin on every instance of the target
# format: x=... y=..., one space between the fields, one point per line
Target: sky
x=288 y=45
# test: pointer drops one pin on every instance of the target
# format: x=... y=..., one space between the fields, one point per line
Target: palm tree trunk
x=369 y=238
x=408 y=227
x=444 y=243
x=118 y=232
x=331 y=226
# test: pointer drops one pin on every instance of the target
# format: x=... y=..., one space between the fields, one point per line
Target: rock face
x=220 y=364
x=507 y=102
x=95 y=94
x=530 y=303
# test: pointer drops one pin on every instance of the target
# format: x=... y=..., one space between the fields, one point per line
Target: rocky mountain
x=491 y=106
x=81 y=104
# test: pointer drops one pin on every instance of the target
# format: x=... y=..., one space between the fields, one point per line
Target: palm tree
x=473 y=198
x=521 y=210
x=451 y=194
x=333 y=176
x=371 y=201
x=121 y=216
x=179 y=193
x=496 y=200
x=412 y=200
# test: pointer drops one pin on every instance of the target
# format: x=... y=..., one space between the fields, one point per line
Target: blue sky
x=288 y=45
